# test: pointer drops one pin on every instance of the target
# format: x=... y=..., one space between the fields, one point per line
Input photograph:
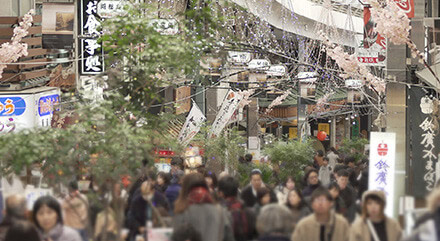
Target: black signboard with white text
x=91 y=52
x=425 y=142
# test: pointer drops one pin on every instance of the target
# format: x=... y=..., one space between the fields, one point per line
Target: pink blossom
x=246 y=95
x=321 y=102
x=352 y=67
x=11 y=52
x=277 y=101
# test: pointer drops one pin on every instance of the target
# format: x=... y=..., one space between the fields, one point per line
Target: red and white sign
x=382 y=149
x=407 y=6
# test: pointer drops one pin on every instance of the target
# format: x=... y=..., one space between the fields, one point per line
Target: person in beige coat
x=323 y=224
x=374 y=224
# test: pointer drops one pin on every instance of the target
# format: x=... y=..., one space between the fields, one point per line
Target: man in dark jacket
x=148 y=205
x=249 y=193
x=15 y=211
x=348 y=195
x=243 y=219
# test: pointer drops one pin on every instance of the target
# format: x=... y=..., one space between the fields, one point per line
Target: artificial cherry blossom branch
x=394 y=24
x=12 y=51
x=352 y=67
x=277 y=101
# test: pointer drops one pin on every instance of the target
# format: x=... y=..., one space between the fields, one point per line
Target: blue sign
x=12 y=106
x=46 y=104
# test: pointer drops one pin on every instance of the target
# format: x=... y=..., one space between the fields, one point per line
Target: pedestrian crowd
x=330 y=203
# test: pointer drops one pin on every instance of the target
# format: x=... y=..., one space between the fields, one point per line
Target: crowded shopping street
x=220 y=120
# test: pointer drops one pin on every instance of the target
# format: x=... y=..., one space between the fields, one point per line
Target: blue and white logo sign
x=12 y=106
x=46 y=104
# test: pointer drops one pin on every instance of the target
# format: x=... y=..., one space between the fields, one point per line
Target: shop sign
x=259 y=64
x=229 y=105
x=92 y=61
x=425 y=142
x=12 y=106
x=46 y=104
x=238 y=57
x=307 y=77
x=277 y=70
x=382 y=166
x=110 y=9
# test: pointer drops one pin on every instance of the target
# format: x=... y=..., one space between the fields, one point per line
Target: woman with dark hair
x=283 y=190
x=211 y=181
x=196 y=206
x=311 y=183
x=297 y=206
x=48 y=218
x=162 y=181
x=22 y=231
x=264 y=197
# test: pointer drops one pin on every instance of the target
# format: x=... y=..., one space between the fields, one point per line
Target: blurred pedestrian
x=311 y=183
x=22 y=231
x=332 y=156
x=348 y=195
x=149 y=206
x=325 y=172
x=75 y=208
x=15 y=211
x=162 y=181
x=284 y=188
x=428 y=226
x=274 y=223
x=338 y=202
x=186 y=232
x=374 y=224
x=173 y=189
x=323 y=224
x=297 y=206
x=47 y=216
x=317 y=159
x=196 y=206
x=243 y=218
x=264 y=197
x=249 y=193
x=211 y=181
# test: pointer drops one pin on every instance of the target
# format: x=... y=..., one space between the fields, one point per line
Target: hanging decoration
x=322 y=135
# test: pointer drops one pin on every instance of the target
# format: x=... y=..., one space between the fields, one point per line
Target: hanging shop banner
x=57 y=25
x=407 y=6
x=229 y=105
x=425 y=142
x=382 y=166
x=110 y=9
x=92 y=61
x=373 y=52
x=192 y=125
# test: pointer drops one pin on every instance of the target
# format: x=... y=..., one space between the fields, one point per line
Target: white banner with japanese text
x=382 y=166
x=229 y=105
x=192 y=125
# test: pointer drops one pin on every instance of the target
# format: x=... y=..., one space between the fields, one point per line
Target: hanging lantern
x=307 y=83
x=322 y=135
x=354 y=95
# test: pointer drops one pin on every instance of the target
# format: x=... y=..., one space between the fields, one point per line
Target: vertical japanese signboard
x=373 y=52
x=382 y=166
x=192 y=125
x=425 y=145
x=92 y=60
